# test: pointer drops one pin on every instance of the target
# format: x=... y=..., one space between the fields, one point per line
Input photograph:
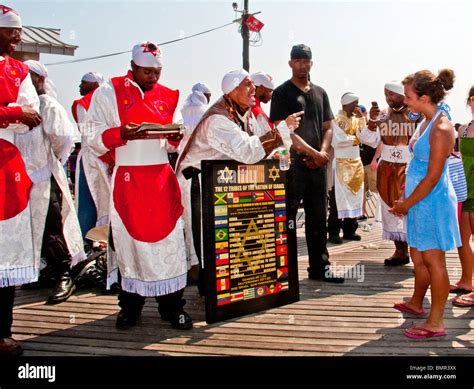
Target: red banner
x=254 y=24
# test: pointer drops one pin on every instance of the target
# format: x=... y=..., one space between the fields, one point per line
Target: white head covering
x=232 y=80
x=197 y=98
x=395 y=87
x=93 y=77
x=41 y=70
x=262 y=79
x=37 y=67
x=348 y=98
x=201 y=87
x=145 y=57
x=9 y=18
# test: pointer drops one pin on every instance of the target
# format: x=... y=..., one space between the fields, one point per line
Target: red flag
x=254 y=24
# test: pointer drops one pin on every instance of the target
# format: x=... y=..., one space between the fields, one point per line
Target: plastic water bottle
x=284 y=159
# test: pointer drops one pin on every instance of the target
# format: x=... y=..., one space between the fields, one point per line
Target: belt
x=396 y=154
x=141 y=152
x=347 y=152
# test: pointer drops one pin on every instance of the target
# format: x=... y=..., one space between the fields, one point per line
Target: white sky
x=357 y=46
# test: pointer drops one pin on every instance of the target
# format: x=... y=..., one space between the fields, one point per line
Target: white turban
x=395 y=87
x=37 y=67
x=232 y=80
x=263 y=79
x=9 y=18
x=93 y=77
x=201 y=87
x=348 y=98
x=41 y=70
x=145 y=57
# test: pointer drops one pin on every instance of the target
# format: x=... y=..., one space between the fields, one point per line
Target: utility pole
x=245 y=37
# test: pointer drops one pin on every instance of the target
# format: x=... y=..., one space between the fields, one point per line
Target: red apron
x=147 y=198
x=15 y=184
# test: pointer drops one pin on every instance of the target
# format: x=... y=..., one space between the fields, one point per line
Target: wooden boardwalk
x=355 y=318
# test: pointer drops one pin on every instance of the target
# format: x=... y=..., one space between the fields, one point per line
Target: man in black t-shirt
x=306 y=179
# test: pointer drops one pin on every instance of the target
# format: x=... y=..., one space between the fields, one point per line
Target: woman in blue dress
x=430 y=202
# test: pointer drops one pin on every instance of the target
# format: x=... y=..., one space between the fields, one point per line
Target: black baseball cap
x=300 y=52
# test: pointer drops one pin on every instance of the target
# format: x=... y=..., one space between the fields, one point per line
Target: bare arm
x=441 y=145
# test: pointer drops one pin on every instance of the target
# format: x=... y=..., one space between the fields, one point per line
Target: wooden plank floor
x=355 y=318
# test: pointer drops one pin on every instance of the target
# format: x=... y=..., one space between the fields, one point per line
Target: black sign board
x=247 y=264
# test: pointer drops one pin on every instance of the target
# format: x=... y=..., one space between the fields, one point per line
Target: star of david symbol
x=252 y=229
x=396 y=153
x=5 y=10
x=226 y=175
x=274 y=173
x=146 y=49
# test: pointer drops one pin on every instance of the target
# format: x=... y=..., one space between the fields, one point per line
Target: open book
x=167 y=129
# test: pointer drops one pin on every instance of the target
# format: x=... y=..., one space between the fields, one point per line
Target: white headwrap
x=93 y=77
x=395 y=87
x=263 y=79
x=41 y=70
x=201 y=87
x=9 y=18
x=348 y=98
x=197 y=98
x=232 y=80
x=143 y=56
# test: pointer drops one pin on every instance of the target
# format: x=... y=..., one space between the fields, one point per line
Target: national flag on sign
x=281 y=250
x=282 y=273
x=283 y=259
x=280 y=216
x=222 y=234
x=220 y=198
x=281 y=227
x=223 y=299
x=254 y=24
x=236 y=296
x=281 y=239
x=220 y=210
x=249 y=293
x=261 y=291
x=258 y=196
x=280 y=194
x=222 y=271
x=270 y=289
x=280 y=204
x=222 y=284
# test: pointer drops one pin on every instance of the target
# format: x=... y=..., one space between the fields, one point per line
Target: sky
x=357 y=45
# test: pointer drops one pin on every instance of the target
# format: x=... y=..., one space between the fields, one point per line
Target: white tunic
x=45 y=149
x=18 y=262
x=146 y=268
x=96 y=171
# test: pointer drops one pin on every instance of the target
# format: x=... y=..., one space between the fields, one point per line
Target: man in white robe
x=19 y=106
x=46 y=148
x=146 y=245
x=227 y=130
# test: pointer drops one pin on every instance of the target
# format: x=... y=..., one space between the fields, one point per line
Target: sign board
x=247 y=264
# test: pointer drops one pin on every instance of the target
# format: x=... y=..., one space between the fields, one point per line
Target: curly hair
x=424 y=82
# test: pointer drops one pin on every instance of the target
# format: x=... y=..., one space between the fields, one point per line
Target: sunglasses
x=471 y=99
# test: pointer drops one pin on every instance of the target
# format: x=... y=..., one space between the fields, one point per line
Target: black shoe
x=63 y=290
x=352 y=237
x=125 y=321
x=179 y=320
x=395 y=261
x=362 y=218
x=336 y=239
x=326 y=277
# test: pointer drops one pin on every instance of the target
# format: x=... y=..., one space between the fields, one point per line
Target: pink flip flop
x=463 y=302
x=423 y=333
x=403 y=307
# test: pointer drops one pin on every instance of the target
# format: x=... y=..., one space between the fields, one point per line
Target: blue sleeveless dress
x=432 y=222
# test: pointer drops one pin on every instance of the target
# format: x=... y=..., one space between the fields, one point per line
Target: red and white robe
x=145 y=205
x=18 y=263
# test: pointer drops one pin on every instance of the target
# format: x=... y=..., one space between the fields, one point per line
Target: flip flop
x=459 y=290
x=423 y=333
x=463 y=302
x=403 y=307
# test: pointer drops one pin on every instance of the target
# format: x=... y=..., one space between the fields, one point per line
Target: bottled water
x=284 y=159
